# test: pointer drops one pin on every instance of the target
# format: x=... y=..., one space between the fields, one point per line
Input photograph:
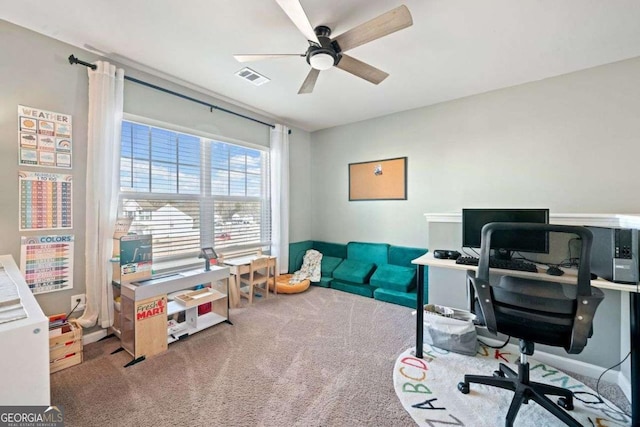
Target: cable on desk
x=475 y=254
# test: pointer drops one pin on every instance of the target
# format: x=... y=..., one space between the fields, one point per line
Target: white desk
x=25 y=348
x=570 y=278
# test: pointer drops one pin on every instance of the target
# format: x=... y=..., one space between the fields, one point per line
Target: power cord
x=78 y=301
x=616 y=410
x=497 y=348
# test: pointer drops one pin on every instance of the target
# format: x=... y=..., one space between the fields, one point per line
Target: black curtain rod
x=73 y=60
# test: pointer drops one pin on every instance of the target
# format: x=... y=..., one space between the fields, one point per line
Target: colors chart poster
x=45 y=201
x=44 y=138
x=47 y=262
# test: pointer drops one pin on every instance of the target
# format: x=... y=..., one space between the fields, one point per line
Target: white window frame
x=206 y=198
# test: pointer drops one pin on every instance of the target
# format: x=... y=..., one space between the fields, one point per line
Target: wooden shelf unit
x=145 y=309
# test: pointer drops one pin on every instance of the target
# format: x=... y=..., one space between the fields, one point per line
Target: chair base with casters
x=525 y=390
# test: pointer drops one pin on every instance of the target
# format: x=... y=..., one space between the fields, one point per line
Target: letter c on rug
x=424 y=375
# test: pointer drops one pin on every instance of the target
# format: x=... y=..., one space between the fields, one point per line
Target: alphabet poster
x=47 y=262
x=44 y=138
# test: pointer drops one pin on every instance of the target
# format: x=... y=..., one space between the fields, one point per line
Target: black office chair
x=535 y=311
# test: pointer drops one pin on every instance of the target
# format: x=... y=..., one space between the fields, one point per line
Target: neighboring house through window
x=189 y=191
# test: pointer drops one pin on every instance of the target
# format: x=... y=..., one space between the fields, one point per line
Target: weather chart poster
x=44 y=138
x=47 y=262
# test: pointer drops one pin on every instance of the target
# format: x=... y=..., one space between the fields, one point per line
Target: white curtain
x=106 y=89
x=280 y=196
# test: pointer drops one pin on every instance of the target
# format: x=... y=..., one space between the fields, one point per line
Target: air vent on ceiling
x=252 y=77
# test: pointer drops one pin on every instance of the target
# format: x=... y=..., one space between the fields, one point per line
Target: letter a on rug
x=428 y=390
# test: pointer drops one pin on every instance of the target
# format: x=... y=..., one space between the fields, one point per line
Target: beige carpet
x=319 y=358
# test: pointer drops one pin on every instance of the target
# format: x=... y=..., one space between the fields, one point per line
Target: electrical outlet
x=74 y=300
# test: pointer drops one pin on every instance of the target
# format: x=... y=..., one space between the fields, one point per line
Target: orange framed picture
x=378 y=180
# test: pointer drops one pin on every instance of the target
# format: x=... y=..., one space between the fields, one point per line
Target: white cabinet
x=24 y=359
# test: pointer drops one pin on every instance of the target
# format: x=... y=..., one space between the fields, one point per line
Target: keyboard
x=500 y=263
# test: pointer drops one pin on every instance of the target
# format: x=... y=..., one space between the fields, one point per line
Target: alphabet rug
x=428 y=390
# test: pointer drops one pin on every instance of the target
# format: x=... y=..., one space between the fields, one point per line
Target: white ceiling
x=454 y=49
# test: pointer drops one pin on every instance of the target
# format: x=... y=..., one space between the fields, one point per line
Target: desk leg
x=420 y=311
x=635 y=357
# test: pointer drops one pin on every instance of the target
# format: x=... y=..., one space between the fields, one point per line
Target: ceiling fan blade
x=361 y=69
x=387 y=23
x=259 y=56
x=309 y=82
x=295 y=12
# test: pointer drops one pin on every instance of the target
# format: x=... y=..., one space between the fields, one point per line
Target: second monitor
x=504 y=243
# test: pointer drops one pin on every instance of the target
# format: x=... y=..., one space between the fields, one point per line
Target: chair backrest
x=259 y=270
x=536 y=310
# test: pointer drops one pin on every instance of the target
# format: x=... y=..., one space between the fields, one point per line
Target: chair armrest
x=483 y=293
x=583 y=320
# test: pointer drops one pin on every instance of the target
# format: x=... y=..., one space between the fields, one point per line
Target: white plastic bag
x=451 y=334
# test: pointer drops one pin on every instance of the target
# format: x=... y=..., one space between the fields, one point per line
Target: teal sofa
x=353 y=274
x=374 y=270
x=396 y=282
x=332 y=255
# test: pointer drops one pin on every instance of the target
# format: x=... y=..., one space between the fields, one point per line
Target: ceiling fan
x=324 y=53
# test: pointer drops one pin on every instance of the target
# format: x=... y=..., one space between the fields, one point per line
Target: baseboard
x=93 y=336
x=572 y=365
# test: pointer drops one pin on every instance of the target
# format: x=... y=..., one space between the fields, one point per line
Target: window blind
x=189 y=192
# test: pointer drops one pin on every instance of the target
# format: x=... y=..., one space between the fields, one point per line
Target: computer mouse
x=554 y=271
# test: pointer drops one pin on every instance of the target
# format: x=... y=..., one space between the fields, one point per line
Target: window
x=190 y=192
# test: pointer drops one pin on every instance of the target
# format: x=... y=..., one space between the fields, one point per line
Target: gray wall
x=34 y=71
x=568 y=143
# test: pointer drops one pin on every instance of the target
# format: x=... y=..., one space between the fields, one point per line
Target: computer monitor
x=504 y=242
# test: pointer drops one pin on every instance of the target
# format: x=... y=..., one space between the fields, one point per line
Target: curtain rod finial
x=73 y=60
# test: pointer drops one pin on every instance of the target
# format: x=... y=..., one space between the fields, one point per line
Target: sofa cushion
x=325 y=282
x=354 y=271
x=394 y=277
x=376 y=253
x=329 y=263
x=408 y=299
x=364 y=290
x=296 y=254
x=337 y=250
x=402 y=255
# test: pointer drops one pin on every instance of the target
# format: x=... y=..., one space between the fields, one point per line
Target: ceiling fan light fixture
x=321 y=61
